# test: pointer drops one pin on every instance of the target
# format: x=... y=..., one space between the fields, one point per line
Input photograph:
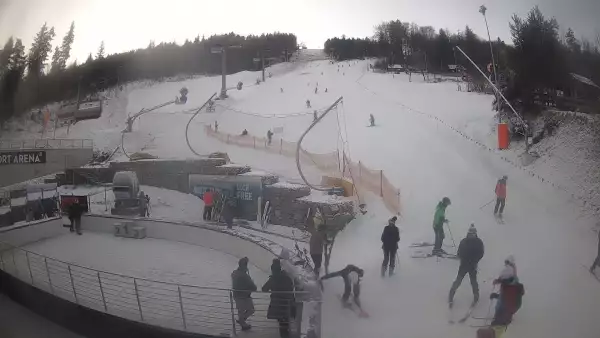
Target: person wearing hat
x=470 y=252
x=438 y=225
x=500 y=196
x=351 y=275
x=282 y=305
x=510 y=295
x=390 y=238
x=243 y=286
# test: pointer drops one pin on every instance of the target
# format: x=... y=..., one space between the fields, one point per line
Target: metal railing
x=46 y=144
x=188 y=308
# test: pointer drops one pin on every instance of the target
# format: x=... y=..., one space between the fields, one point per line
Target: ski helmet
x=446 y=201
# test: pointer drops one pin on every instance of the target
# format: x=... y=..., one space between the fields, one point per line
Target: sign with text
x=22 y=157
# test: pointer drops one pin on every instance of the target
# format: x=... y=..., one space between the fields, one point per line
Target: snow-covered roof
x=585 y=80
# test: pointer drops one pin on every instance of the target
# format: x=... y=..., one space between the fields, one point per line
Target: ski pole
x=488 y=203
x=451 y=237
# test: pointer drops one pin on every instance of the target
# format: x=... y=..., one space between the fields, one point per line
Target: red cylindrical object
x=503 y=136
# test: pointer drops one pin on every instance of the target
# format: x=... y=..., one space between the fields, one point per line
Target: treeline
x=27 y=81
x=539 y=59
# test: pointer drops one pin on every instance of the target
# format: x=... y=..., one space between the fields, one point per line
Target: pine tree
x=5 y=54
x=571 y=41
x=40 y=48
x=100 y=53
x=17 y=58
x=65 y=48
x=55 y=66
x=89 y=58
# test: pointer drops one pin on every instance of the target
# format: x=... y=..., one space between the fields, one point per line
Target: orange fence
x=361 y=176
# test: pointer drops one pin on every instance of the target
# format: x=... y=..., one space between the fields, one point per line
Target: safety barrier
x=334 y=163
x=195 y=309
x=46 y=144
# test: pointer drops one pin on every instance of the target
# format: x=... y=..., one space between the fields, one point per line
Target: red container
x=503 y=136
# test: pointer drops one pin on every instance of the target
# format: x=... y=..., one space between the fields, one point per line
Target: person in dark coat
x=243 y=286
x=75 y=212
x=597 y=260
x=390 y=238
x=317 y=243
x=351 y=275
x=470 y=252
x=282 y=306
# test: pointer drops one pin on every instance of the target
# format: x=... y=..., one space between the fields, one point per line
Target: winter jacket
x=282 y=303
x=241 y=280
x=501 y=189
x=317 y=240
x=470 y=251
x=440 y=216
x=390 y=237
x=208 y=199
x=75 y=211
x=509 y=302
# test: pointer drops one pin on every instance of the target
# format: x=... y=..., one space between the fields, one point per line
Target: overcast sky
x=131 y=24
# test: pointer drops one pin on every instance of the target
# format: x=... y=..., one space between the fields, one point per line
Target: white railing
x=46 y=144
x=182 y=307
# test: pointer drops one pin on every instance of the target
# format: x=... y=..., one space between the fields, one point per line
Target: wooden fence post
x=381 y=182
x=280 y=146
x=254 y=139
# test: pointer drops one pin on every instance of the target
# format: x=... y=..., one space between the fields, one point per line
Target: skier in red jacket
x=500 y=196
x=208 y=199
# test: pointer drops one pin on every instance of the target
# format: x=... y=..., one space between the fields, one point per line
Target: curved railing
x=188 y=308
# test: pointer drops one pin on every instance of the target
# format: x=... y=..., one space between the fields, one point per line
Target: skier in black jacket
x=351 y=275
x=470 y=252
x=390 y=238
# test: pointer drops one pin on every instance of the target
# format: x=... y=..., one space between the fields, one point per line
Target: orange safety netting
x=360 y=175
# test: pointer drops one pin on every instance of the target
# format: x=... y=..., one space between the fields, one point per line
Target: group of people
x=282 y=306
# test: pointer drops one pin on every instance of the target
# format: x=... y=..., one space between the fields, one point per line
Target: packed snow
x=423 y=139
x=150 y=258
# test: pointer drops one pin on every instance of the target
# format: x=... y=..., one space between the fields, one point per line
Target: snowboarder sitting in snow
x=500 y=196
x=307 y=103
x=390 y=238
x=510 y=296
x=597 y=260
x=244 y=132
x=470 y=252
x=351 y=275
x=372 y=120
x=438 y=226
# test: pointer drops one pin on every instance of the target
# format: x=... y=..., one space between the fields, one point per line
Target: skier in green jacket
x=438 y=225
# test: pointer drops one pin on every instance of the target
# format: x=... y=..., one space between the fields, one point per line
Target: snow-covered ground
x=154 y=259
x=423 y=140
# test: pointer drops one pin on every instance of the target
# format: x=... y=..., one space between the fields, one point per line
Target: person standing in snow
x=439 y=219
x=269 y=136
x=75 y=212
x=216 y=126
x=470 y=252
x=500 y=196
x=208 y=199
x=509 y=299
x=282 y=306
x=597 y=260
x=307 y=103
x=317 y=242
x=390 y=238
x=243 y=286
x=351 y=275
x=372 y=120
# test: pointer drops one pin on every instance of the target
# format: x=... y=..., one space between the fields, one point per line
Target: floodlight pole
x=482 y=10
x=223 y=51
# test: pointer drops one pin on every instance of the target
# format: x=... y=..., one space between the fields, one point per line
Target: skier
x=510 y=296
x=316 y=89
x=307 y=103
x=281 y=89
x=390 y=238
x=282 y=305
x=438 y=225
x=500 y=196
x=351 y=275
x=597 y=260
x=216 y=126
x=243 y=286
x=470 y=252
x=269 y=136
x=317 y=241
x=372 y=120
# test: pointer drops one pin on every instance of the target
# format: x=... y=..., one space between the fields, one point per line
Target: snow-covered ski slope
x=424 y=158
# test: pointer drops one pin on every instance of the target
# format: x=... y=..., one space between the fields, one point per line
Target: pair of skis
x=422 y=254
